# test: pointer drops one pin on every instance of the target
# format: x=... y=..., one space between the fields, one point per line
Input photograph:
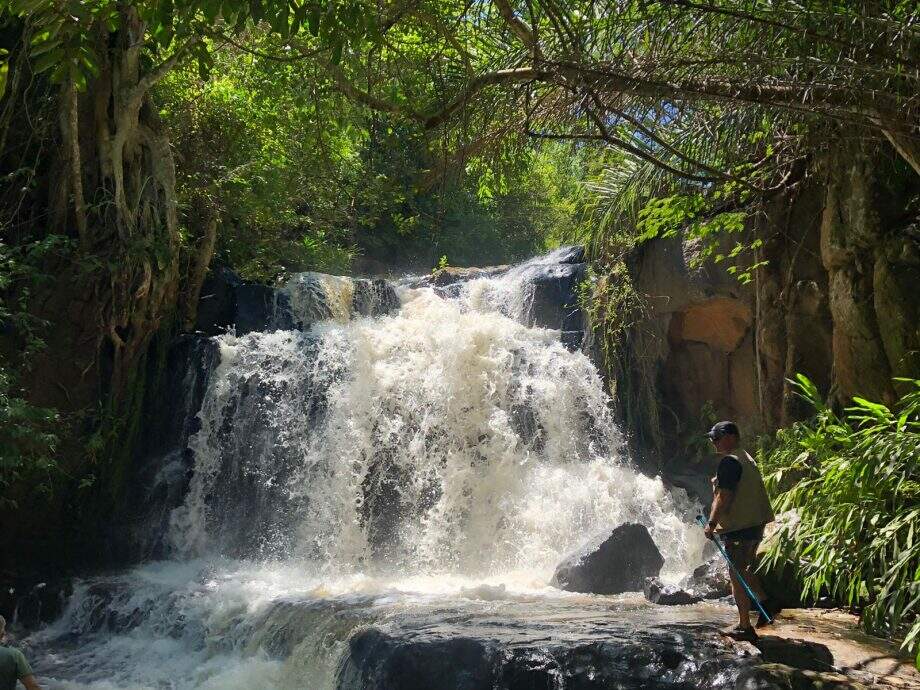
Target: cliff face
x=838 y=300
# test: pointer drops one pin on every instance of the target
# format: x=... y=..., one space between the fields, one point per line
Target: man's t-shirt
x=729 y=473
x=13 y=666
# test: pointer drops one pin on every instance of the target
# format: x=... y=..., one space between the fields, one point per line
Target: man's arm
x=30 y=682
x=721 y=502
x=24 y=672
x=724 y=484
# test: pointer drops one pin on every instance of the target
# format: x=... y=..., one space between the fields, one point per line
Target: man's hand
x=707 y=530
x=30 y=683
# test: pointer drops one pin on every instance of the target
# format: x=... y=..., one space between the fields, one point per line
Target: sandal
x=741 y=634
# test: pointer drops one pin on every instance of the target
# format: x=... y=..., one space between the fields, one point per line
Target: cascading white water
x=444 y=450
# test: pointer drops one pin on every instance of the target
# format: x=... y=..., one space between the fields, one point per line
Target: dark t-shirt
x=13 y=666
x=729 y=473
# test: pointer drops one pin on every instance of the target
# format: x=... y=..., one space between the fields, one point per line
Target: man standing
x=740 y=511
x=13 y=666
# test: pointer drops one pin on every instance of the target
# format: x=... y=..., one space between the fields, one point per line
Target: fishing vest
x=751 y=505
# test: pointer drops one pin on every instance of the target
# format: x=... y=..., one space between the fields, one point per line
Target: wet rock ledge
x=582 y=649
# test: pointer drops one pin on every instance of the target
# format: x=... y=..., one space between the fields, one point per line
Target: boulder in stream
x=668 y=594
x=710 y=580
x=620 y=563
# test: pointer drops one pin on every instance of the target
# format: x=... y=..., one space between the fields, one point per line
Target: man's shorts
x=741 y=545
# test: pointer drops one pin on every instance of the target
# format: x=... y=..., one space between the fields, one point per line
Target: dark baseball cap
x=723 y=429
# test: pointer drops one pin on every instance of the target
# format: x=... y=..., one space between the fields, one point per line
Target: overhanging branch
x=518 y=26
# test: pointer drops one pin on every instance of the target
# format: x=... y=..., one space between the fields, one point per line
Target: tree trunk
x=198 y=269
x=113 y=186
x=122 y=159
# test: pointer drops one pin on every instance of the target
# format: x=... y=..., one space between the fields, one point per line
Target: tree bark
x=199 y=269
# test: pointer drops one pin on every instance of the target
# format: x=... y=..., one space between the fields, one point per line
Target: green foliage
x=703 y=218
x=259 y=152
x=64 y=33
x=303 y=179
x=854 y=480
x=27 y=442
x=28 y=432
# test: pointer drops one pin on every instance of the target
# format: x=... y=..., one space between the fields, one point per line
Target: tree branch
x=76 y=165
x=161 y=70
x=518 y=74
x=368 y=99
x=833 y=40
x=145 y=83
x=639 y=153
x=518 y=26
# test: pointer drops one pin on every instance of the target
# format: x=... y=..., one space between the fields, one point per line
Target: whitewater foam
x=445 y=452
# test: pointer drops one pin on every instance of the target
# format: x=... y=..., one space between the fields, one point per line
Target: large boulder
x=711 y=579
x=620 y=563
x=707 y=581
x=261 y=308
x=555 y=296
x=374 y=297
x=228 y=301
x=476 y=652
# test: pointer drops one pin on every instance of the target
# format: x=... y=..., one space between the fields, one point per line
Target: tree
x=651 y=78
x=110 y=181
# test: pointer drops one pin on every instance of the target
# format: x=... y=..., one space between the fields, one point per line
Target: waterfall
x=407 y=441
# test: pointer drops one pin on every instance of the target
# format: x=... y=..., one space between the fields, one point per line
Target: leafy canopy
x=64 y=34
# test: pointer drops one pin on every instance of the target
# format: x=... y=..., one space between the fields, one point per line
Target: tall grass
x=854 y=480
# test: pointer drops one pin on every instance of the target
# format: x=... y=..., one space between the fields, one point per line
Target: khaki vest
x=751 y=504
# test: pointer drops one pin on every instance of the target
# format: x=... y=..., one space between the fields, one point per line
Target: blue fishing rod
x=731 y=565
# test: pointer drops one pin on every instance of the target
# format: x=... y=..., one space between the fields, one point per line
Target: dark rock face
x=572 y=255
x=374 y=297
x=555 y=297
x=27 y=603
x=217 y=304
x=261 y=308
x=228 y=301
x=552 y=281
x=163 y=463
x=643 y=659
x=620 y=564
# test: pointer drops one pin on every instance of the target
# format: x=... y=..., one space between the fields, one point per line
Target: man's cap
x=723 y=429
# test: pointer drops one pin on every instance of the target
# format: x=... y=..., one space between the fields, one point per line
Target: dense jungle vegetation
x=143 y=142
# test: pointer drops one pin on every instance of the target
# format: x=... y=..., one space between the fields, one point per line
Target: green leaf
x=48 y=60
x=42 y=48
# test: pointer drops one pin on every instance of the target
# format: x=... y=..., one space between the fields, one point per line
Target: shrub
x=854 y=479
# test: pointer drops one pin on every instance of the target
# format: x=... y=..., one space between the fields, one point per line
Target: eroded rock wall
x=838 y=300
